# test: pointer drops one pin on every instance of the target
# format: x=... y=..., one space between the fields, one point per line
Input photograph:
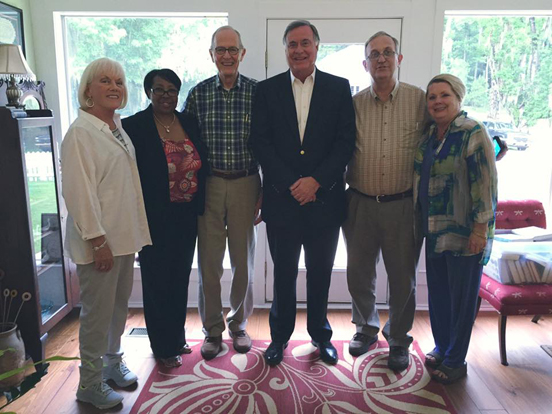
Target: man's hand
x=304 y=190
x=258 y=205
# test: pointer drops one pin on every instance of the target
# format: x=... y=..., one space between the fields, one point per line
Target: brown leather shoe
x=241 y=341
x=212 y=345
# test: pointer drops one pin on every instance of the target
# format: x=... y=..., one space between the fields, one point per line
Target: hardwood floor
x=524 y=387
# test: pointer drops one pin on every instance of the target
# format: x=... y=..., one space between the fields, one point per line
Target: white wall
x=421 y=46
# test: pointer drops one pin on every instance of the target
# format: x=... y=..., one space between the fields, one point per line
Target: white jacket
x=102 y=191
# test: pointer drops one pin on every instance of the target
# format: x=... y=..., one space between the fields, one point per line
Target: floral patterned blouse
x=184 y=163
x=462 y=186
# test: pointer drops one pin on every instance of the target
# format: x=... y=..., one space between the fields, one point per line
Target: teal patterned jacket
x=462 y=187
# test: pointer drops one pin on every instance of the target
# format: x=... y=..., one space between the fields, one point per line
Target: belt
x=384 y=198
x=233 y=175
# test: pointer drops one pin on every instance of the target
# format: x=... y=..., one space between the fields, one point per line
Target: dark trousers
x=285 y=244
x=453 y=287
x=165 y=268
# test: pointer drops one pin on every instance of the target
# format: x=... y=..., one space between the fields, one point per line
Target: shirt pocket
x=410 y=133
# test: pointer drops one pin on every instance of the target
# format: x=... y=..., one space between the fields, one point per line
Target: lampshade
x=12 y=62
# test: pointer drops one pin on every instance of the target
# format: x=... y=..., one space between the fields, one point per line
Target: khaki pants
x=229 y=214
x=372 y=227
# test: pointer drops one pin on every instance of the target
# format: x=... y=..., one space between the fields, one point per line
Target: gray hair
x=300 y=23
x=96 y=68
x=454 y=82
x=379 y=34
x=220 y=29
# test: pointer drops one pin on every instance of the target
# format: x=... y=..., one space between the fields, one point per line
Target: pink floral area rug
x=301 y=384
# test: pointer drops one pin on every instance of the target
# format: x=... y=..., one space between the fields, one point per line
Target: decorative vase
x=10 y=337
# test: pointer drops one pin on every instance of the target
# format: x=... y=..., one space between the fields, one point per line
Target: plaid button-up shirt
x=388 y=134
x=224 y=119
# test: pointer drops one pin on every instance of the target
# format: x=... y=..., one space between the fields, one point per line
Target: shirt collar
x=393 y=92
x=312 y=75
x=97 y=122
x=219 y=84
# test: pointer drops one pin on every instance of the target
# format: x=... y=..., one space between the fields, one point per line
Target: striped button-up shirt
x=388 y=134
x=224 y=118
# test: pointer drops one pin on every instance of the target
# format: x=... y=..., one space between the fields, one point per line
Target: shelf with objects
x=31 y=212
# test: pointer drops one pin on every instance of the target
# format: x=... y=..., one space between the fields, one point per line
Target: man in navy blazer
x=303 y=134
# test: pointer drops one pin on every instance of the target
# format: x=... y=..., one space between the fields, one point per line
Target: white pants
x=104 y=298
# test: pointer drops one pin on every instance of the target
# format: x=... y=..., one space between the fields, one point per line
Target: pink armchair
x=516 y=299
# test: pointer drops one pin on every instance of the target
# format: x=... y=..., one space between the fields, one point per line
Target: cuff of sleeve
x=91 y=236
x=484 y=217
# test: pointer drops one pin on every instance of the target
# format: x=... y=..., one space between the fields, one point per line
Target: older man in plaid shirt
x=222 y=106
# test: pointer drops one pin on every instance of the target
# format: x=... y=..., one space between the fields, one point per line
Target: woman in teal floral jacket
x=455 y=193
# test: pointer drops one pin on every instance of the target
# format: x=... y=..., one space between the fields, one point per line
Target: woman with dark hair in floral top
x=172 y=165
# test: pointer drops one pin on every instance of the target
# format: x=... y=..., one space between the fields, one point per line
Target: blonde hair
x=454 y=82
x=96 y=68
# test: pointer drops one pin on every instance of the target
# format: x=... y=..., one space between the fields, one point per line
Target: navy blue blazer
x=327 y=147
x=153 y=168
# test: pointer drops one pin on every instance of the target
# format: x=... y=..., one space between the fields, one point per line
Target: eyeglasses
x=162 y=92
x=387 y=54
x=222 y=50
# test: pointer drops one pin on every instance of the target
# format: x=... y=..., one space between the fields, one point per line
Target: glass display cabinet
x=31 y=253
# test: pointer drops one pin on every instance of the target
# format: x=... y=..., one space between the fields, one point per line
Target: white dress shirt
x=302 y=94
x=102 y=190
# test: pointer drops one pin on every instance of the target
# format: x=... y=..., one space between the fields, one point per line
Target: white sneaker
x=119 y=373
x=100 y=395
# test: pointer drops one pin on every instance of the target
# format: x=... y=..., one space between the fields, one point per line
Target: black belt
x=384 y=198
x=232 y=175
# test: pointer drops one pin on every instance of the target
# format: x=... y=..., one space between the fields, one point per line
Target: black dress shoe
x=275 y=353
x=328 y=353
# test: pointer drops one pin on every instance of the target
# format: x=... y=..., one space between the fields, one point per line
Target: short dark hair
x=300 y=23
x=166 y=74
x=379 y=34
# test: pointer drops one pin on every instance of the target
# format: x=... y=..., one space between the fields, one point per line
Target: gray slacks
x=229 y=214
x=104 y=298
x=372 y=227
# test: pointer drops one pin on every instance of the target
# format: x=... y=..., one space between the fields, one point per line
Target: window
x=505 y=62
x=140 y=43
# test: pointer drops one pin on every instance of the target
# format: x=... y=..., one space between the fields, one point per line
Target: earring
x=90 y=102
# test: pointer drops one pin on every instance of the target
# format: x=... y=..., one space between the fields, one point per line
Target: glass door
x=341 y=52
x=44 y=218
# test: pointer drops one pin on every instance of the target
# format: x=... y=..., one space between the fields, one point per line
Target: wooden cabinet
x=31 y=217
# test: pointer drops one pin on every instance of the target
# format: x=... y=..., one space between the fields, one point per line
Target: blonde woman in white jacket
x=106 y=226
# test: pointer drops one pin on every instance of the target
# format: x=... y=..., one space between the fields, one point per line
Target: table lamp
x=13 y=63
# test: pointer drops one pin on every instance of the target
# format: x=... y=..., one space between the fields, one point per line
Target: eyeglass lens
x=161 y=92
x=222 y=50
x=386 y=54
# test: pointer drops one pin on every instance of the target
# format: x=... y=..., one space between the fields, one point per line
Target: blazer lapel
x=315 y=107
x=288 y=103
x=151 y=130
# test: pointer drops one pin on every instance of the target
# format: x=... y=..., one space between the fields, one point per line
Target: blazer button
x=302 y=152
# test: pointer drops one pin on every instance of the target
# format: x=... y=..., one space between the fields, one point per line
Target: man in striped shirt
x=389 y=121
x=222 y=107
